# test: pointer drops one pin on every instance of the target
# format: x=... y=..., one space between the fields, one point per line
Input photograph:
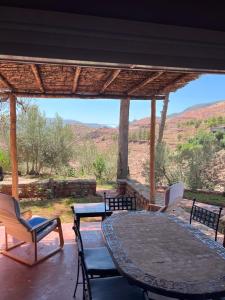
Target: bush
x=4 y=160
x=99 y=168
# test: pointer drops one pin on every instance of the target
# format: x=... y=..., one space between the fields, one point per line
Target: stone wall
x=129 y=186
x=53 y=188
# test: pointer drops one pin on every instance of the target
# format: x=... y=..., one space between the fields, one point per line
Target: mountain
x=176 y=131
x=74 y=122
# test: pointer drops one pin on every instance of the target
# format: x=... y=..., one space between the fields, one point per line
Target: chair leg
x=6 y=240
x=77 y=280
x=35 y=252
x=36 y=260
x=60 y=234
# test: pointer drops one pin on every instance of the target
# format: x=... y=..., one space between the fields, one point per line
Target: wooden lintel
x=13 y=146
x=110 y=79
x=82 y=96
x=37 y=77
x=76 y=79
x=152 y=152
x=6 y=83
x=145 y=82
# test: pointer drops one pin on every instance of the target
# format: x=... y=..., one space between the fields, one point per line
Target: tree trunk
x=122 y=164
x=163 y=119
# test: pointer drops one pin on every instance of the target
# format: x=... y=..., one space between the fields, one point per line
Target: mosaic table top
x=163 y=254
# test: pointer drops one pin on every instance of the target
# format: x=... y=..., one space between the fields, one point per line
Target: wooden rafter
x=151 y=78
x=37 y=77
x=76 y=79
x=5 y=82
x=171 y=85
x=110 y=79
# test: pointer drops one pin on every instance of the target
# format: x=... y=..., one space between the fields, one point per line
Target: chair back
x=125 y=202
x=173 y=194
x=78 y=238
x=206 y=217
x=10 y=216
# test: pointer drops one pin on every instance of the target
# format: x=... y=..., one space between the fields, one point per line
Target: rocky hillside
x=177 y=131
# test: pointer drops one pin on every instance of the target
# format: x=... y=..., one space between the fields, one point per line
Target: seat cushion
x=36 y=221
x=115 y=288
x=43 y=231
x=99 y=262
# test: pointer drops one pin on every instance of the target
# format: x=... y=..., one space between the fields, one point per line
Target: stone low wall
x=53 y=188
x=129 y=186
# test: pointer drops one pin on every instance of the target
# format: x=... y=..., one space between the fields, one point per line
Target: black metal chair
x=123 y=202
x=205 y=217
x=110 y=288
x=98 y=261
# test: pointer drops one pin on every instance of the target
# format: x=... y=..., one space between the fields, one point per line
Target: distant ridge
x=74 y=122
x=193 y=107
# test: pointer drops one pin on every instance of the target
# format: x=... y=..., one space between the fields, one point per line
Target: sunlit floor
x=53 y=278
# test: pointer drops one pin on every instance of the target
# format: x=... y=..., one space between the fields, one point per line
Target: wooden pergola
x=60 y=80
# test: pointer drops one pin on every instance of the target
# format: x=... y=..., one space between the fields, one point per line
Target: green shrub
x=99 y=167
x=4 y=160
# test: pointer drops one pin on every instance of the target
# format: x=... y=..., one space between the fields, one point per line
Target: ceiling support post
x=122 y=163
x=13 y=146
x=152 y=152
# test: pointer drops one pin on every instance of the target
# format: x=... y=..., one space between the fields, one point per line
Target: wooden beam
x=13 y=146
x=152 y=152
x=122 y=162
x=37 y=77
x=151 y=78
x=169 y=87
x=6 y=83
x=110 y=79
x=76 y=79
x=81 y=96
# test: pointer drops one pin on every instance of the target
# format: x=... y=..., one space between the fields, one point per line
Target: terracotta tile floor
x=51 y=279
x=54 y=278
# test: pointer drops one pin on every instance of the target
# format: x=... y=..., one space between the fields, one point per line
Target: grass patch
x=218 y=200
x=56 y=207
x=107 y=186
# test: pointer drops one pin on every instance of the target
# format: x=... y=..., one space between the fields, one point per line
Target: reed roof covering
x=72 y=81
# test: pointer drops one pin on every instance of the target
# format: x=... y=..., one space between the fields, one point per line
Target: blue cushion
x=36 y=221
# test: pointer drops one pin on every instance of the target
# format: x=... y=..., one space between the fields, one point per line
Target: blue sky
x=208 y=88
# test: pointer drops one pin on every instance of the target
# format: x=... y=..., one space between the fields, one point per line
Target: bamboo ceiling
x=68 y=81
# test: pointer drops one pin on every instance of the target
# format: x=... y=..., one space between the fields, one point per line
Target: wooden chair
x=173 y=194
x=123 y=202
x=206 y=217
x=25 y=228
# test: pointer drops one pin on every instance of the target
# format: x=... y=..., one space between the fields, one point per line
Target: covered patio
x=48 y=69
x=60 y=80
x=47 y=80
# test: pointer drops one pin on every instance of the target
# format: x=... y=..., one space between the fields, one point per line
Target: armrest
x=162 y=209
x=43 y=224
x=27 y=214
